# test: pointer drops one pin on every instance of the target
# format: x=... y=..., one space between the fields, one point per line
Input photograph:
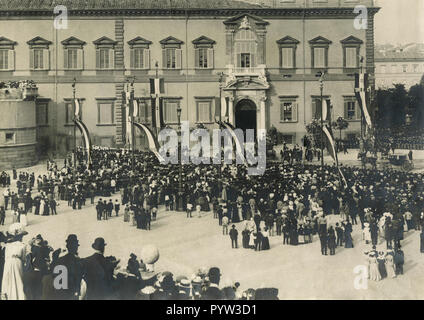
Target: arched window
x=245 y=48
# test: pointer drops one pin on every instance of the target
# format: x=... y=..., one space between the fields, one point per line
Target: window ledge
x=204 y=122
x=105 y=124
x=43 y=125
x=69 y=125
x=292 y=121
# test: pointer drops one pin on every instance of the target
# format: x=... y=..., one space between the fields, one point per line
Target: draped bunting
x=86 y=138
x=152 y=141
x=156 y=91
x=239 y=148
x=332 y=151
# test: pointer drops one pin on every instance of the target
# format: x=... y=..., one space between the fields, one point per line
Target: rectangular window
x=405 y=68
x=351 y=110
x=245 y=60
x=287 y=58
x=170 y=112
x=38 y=59
x=415 y=67
x=105 y=114
x=316 y=107
x=42 y=114
x=10 y=137
x=144 y=111
x=4 y=59
x=138 y=58
x=170 y=59
x=204 y=113
x=203 y=58
x=351 y=58
x=288 y=111
x=319 y=58
x=103 y=58
x=72 y=59
x=70 y=113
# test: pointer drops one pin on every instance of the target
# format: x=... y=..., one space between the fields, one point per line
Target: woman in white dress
x=23 y=219
x=15 y=252
x=373 y=265
x=390 y=266
x=42 y=204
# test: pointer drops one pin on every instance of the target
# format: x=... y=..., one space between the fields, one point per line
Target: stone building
x=399 y=65
x=269 y=54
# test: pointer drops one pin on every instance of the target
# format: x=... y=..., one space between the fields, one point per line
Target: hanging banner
x=361 y=85
x=152 y=141
x=86 y=138
x=239 y=148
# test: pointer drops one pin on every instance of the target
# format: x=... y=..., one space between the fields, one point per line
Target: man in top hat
x=98 y=273
x=234 y=237
x=213 y=292
x=74 y=268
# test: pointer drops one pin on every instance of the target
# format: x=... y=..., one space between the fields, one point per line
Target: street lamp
x=180 y=174
x=321 y=88
x=221 y=76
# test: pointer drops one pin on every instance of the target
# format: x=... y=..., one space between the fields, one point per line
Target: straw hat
x=16 y=230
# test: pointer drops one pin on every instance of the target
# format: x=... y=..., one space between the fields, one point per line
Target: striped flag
x=323 y=112
x=361 y=93
x=87 y=141
x=152 y=141
x=332 y=151
x=156 y=92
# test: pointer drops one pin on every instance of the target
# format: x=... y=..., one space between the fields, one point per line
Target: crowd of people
x=290 y=201
x=29 y=271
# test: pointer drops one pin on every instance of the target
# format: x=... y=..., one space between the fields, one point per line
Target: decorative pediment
x=73 y=42
x=104 y=42
x=7 y=43
x=203 y=41
x=288 y=40
x=171 y=42
x=139 y=42
x=39 y=42
x=244 y=19
x=351 y=40
x=320 y=41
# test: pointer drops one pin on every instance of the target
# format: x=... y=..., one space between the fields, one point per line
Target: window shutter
x=238 y=60
x=132 y=58
x=46 y=59
x=111 y=59
x=197 y=58
x=164 y=59
x=345 y=110
x=358 y=112
x=97 y=58
x=314 y=108
x=178 y=58
x=31 y=59
x=80 y=59
x=294 y=111
x=146 y=59
x=65 y=58
x=210 y=59
x=11 y=59
x=253 y=60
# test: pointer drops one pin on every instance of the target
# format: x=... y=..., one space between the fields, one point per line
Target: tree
x=392 y=104
x=314 y=129
x=416 y=105
x=340 y=124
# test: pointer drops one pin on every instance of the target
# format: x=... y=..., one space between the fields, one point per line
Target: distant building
x=402 y=64
x=270 y=55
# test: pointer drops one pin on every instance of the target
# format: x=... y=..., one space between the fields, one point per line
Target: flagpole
x=132 y=124
x=221 y=75
x=321 y=87
x=75 y=124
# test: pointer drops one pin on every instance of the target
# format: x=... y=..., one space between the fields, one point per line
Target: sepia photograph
x=192 y=150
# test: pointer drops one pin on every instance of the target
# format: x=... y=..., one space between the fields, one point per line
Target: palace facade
x=269 y=55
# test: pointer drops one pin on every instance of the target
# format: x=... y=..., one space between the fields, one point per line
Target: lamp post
x=180 y=168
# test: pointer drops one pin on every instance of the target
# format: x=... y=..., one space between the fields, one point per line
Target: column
x=231 y=110
x=263 y=112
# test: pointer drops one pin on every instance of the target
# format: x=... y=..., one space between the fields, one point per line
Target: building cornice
x=263 y=12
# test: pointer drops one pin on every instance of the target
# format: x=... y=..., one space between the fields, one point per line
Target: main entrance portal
x=245 y=115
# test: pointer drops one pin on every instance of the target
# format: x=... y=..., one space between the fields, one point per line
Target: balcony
x=239 y=73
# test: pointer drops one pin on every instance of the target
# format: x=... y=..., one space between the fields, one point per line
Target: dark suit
x=75 y=272
x=212 y=293
x=98 y=277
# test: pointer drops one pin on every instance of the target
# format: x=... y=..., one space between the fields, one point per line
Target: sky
x=399 y=21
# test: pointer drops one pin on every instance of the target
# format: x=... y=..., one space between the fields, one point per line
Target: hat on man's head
x=72 y=238
x=214 y=272
x=98 y=244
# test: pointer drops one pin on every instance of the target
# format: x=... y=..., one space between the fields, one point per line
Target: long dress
x=348 y=239
x=12 y=284
x=390 y=266
x=382 y=266
x=42 y=204
x=422 y=242
x=23 y=219
x=374 y=273
x=265 y=240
